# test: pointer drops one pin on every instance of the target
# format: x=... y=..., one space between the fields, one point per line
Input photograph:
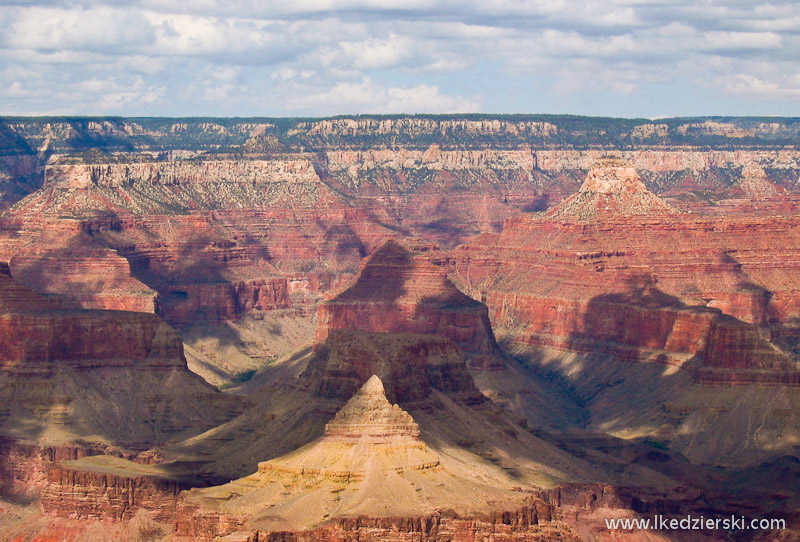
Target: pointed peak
x=392 y=252
x=369 y=413
x=373 y=386
x=612 y=188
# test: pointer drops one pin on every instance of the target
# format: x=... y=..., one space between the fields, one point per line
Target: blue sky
x=629 y=58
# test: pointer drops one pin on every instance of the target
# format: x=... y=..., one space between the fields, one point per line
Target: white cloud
x=325 y=56
x=53 y=29
x=750 y=85
x=369 y=97
x=378 y=54
x=743 y=40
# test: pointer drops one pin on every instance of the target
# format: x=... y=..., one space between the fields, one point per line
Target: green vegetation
x=656 y=444
x=93 y=137
x=239 y=378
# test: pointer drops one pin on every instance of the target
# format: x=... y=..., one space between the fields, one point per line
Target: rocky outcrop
x=754 y=185
x=527 y=523
x=76 y=490
x=117 y=377
x=95 y=278
x=400 y=291
x=176 y=173
x=612 y=187
x=24 y=466
x=370 y=447
x=411 y=365
x=369 y=404
x=186 y=304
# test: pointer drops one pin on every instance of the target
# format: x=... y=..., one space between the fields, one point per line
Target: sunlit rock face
x=613 y=176
x=676 y=309
x=369 y=414
x=612 y=188
x=370 y=462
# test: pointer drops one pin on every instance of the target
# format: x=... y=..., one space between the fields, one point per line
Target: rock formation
x=612 y=187
x=753 y=184
x=370 y=461
x=400 y=291
x=105 y=487
x=96 y=278
x=411 y=364
x=105 y=381
x=656 y=309
x=705 y=298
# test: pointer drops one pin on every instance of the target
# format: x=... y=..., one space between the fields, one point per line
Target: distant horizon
x=4 y=116
x=650 y=59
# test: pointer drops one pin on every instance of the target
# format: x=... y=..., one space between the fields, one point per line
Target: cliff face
x=90 y=375
x=412 y=365
x=156 y=221
x=636 y=282
x=710 y=300
x=81 y=494
x=599 y=272
x=399 y=291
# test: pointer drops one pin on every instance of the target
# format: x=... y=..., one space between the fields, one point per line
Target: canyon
x=420 y=327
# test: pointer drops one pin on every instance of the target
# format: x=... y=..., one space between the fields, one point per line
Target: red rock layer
x=409 y=365
x=78 y=494
x=96 y=278
x=529 y=523
x=400 y=291
x=35 y=334
x=191 y=303
x=86 y=340
x=70 y=375
x=641 y=287
x=204 y=266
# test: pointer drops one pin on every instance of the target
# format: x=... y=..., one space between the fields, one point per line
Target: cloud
x=750 y=85
x=250 y=57
x=368 y=96
x=743 y=40
x=95 y=29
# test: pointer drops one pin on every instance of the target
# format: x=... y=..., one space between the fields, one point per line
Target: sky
x=622 y=58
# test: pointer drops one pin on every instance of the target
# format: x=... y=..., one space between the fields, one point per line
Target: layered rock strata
x=370 y=461
x=411 y=365
x=109 y=488
x=612 y=187
x=113 y=377
x=659 y=286
x=672 y=309
x=286 y=211
x=400 y=291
